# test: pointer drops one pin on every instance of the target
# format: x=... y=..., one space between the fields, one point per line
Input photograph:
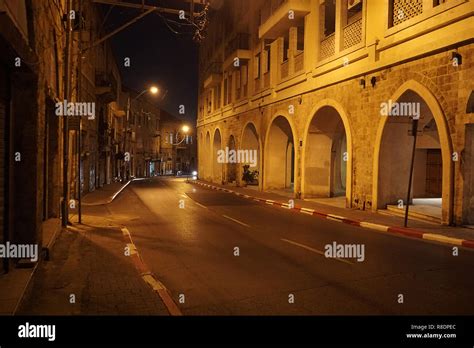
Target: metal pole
x=8 y=178
x=127 y=164
x=79 y=136
x=66 y=87
x=414 y=134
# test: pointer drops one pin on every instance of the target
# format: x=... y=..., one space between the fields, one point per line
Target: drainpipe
x=7 y=185
x=66 y=90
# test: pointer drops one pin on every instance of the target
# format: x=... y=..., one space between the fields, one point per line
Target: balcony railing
x=267 y=11
x=404 y=10
x=328 y=47
x=299 y=62
x=257 y=85
x=213 y=68
x=106 y=86
x=213 y=74
x=285 y=69
x=352 y=34
x=239 y=42
x=266 y=80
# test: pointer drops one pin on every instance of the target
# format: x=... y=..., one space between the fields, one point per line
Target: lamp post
x=152 y=90
x=185 y=129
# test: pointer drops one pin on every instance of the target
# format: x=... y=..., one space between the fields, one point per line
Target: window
x=354 y=10
x=329 y=16
x=438 y=2
x=229 y=89
x=244 y=75
x=286 y=46
x=217 y=97
x=208 y=103
x=238 y=79
x=257 y=66
x=268 y=58
x=300 y=38
x=226 y=89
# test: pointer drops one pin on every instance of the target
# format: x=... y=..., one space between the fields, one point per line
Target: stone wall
x=439 y=82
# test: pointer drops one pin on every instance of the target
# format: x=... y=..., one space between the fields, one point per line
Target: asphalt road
x=281 y=268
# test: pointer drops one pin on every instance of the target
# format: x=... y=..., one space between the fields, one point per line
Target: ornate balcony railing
x=328 y=47
x=352 y=34
x=404 y=10
x=285 y=69
x=299 y=62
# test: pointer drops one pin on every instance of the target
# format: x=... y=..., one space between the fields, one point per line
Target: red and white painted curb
x=408 y=232
x=148 y=277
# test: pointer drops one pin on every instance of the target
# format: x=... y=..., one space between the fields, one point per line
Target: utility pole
x=79 y=135
x=67 y=92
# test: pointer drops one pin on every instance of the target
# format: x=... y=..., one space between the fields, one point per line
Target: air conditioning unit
x=351 y=4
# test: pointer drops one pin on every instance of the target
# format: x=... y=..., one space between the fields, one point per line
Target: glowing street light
x=185 y=129
x=152 y=90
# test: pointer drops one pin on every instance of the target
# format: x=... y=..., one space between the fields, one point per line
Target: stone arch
x=231 y=167
x=413 y=88
x=217 y=166
x=280 y=154
x=207 y=172
x=324 y=112
x=200 y=151
x=251 y=140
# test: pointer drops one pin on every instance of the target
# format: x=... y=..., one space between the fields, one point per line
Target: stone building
x=326 y=92
x=143 y=143
x=178 y=150
x=155 y=141
x=101 y=140
x=32 y=84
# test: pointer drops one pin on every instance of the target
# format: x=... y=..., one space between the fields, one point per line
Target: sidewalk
x=89 y=274
x=104 y=195
x=14 y=284
x=366 y=219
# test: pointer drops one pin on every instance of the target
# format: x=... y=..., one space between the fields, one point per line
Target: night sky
x=158 y=56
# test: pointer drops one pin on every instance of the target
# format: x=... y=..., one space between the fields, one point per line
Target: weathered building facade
x=143 y=142
x=326 y=92
x=32 y=84
x=178 y=150
x=30 y=79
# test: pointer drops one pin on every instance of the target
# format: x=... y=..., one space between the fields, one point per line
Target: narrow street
x=204 y=171
x=190 y=249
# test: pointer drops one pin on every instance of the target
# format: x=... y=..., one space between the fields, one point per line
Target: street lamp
x=185 y=129
x=153 y=90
